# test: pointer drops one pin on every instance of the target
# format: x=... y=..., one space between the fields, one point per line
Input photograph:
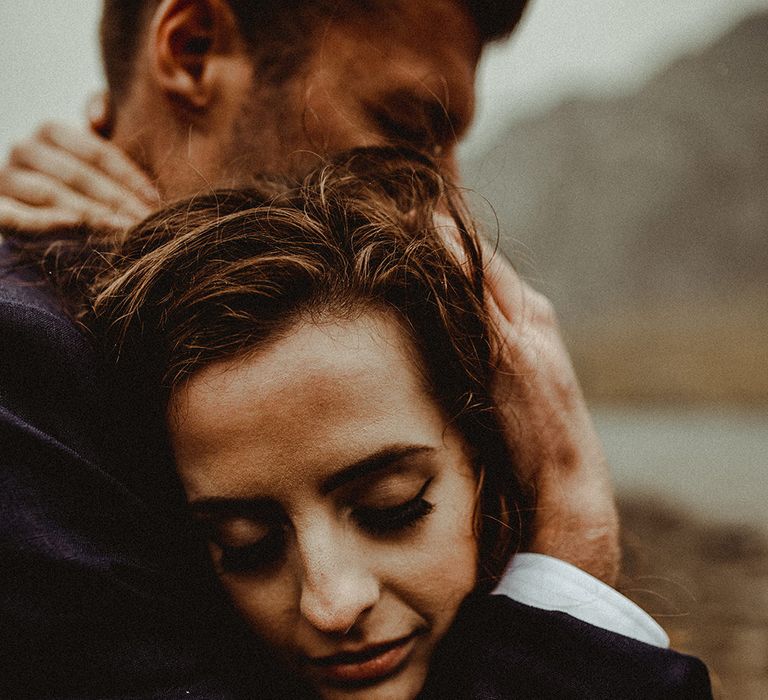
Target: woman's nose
x=337 y=587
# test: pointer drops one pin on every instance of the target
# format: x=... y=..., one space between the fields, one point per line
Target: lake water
x=714 y=462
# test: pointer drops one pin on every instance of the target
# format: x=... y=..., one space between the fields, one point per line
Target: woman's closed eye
x=255 y=555
x=250 y=546
x=394 y=519
x=245 y=544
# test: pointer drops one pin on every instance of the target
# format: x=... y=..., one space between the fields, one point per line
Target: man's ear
x=190 y=41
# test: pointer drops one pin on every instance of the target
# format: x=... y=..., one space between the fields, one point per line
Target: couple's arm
x=575 y=550
x=555 y=444
x=549 y=430
x=63 y=176
x=94 y=593
x=546 y=583
x=500 y=648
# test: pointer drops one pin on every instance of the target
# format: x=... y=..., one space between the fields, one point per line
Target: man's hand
x=63 y=177
x=549 y=428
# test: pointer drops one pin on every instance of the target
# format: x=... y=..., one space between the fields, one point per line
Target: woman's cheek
x=457 y=567
x=440 y=569
x=266 y=605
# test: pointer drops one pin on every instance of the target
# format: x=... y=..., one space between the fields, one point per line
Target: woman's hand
x=550 y=429
x=63 y=177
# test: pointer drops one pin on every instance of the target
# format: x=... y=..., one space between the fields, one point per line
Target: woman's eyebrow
x=264 y=508
x=383 y=459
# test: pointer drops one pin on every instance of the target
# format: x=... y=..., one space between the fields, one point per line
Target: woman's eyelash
x=378 y=521
x=384 y=521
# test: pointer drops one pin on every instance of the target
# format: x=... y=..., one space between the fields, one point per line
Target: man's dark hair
x=275 y=26
x=496 y=18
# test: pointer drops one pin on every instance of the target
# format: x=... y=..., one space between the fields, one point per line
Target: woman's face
x=339 y=502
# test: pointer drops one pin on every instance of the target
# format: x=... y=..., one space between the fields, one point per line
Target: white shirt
x=552 y=584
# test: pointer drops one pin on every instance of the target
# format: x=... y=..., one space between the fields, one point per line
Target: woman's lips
x=370 y=664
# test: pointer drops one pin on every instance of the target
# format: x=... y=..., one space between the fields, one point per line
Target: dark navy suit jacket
x=498 y=648
x=104 y=592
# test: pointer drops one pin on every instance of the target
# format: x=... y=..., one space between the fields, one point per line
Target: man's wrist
x=589 y=541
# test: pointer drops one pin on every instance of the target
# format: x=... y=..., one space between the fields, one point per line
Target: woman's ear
x=190 y=44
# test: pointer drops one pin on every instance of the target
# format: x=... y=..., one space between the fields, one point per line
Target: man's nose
x=337 y=586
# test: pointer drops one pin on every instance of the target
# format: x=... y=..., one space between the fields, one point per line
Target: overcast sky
x=49 y=58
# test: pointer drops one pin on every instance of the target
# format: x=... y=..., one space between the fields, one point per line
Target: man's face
x=406 y=76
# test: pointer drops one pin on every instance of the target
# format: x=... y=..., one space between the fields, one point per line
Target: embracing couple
x=300 y=432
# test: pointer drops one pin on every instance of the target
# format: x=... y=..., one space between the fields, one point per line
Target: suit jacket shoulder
x=102 y=593
x=50 y=377
x=499 y=648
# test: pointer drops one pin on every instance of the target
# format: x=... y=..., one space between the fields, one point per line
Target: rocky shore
x=707 y=585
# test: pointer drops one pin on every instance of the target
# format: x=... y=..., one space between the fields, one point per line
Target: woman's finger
x=44 y=203
x=17 y=216
x=28 y=187
x=46 y=193
x=101 y=155
x=78 y=177
x=30 y=220
x=91 y=213
x=506 y=287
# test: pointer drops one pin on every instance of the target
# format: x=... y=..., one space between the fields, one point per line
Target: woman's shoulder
x=499 y=648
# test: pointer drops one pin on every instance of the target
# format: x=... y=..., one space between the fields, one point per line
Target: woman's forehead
x=324 y=396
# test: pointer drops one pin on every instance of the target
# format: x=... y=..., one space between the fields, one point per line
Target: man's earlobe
x=99 y=111
x=186 y=37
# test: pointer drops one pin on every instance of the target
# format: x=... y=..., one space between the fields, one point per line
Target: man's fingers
x=548 y=427
x=502 y=281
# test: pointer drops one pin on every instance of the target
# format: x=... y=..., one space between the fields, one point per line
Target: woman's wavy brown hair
x=215 y=277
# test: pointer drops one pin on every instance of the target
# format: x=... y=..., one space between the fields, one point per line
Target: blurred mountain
x=645 y=219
